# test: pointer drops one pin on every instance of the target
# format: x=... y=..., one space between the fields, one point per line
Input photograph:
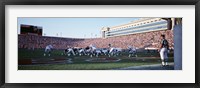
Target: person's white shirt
x=48 y=47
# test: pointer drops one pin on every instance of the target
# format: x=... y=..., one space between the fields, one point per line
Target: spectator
x=140 y=40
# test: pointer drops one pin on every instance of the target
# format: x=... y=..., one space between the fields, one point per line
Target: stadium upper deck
x=139 y=26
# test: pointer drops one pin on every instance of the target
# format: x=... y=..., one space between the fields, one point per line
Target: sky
x=73 y=27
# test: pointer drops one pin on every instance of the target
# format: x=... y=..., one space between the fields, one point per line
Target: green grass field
x=80 y=63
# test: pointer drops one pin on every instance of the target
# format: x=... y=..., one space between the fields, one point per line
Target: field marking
x=149 y=67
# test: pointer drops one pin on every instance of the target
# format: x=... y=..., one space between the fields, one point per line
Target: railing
x=139 y=30
x=146 y=25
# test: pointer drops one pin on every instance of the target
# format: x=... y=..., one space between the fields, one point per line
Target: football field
x=35 y=60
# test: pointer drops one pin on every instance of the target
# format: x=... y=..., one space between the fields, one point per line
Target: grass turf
x=79 y=62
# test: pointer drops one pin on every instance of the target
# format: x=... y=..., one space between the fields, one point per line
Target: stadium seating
x=142 y=40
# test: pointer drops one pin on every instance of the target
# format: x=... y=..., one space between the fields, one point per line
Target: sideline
x=149 y=67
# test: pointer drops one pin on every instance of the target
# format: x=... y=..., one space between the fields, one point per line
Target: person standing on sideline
x=164 y=46
x=109 y=46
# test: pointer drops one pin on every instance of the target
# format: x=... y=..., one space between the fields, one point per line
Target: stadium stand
x=140 y=40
